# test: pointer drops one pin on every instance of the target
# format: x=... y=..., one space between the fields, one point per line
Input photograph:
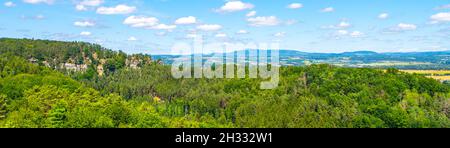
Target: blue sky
x=153 y=26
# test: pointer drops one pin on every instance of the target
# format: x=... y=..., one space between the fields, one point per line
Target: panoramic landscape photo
x=225 y=64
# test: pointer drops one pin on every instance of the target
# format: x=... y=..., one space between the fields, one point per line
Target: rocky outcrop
x=71 y=64
x=100 y=69
x=133 y=63
x=74 y=67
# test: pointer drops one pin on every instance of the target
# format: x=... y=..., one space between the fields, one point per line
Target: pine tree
x=2 y=106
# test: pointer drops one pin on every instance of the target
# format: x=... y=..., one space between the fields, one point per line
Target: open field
x=440 y=78
x=441 y=75
x=393 y=63
x=429 y=72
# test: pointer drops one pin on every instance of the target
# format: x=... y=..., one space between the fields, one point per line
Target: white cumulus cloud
x=242 y=32
x=404 y=27
x=81 y=8
x=340 y=25
x=164 y=27
x=186 y=20
x=119 y=9
x=280 y=34
x=84 y=24
x=85 y=4
x=263 y=21
x=356 y=34
x=141 y=21
x=344 y=25
x=345 y=33
x=251 y=14
x=441 y=17
x=132 y=38
x=85 y=33
x=36 y=17
x=383 y=16
x=401 y=28
x=295 y=6
x=9 y=4
x=232 y=6
x=147 y=23
x=328 y=9
x=342 y=32
x=39 y=1
x=91 y=2
x=209 y=27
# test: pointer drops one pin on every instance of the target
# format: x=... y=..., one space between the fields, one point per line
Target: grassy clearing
x=441 y=75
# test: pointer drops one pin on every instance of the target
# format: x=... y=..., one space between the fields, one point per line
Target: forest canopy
x=35 y=92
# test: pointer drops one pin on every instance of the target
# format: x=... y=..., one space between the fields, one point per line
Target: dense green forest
x=132 y=91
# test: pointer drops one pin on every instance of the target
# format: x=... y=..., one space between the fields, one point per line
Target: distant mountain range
x=401 y=60
x=82 y=56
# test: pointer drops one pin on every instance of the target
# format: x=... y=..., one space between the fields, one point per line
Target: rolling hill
x=368 y=59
